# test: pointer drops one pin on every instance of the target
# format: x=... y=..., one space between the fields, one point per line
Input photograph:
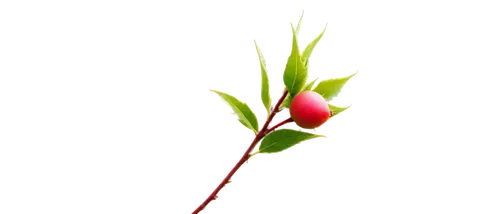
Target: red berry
x=309 y=110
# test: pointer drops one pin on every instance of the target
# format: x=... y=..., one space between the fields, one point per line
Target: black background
x=156 y=143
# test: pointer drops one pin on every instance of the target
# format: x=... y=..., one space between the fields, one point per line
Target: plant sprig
x=306 y=111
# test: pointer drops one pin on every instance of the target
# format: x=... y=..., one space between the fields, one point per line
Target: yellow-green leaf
x=295 y=75
x=244 y=113
x=282 y=139
x=308 y=51
x=309 y=85
x=336 y=110
x=331 y=88
x=300 y=21
x=286 y=102
x=264 y=83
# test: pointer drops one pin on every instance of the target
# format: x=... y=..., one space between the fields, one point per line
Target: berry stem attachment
x=261 y=134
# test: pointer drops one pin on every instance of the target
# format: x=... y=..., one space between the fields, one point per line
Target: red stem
x=289 y=120
x=262 y=133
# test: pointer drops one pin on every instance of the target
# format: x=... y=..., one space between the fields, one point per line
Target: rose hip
x=309 y=110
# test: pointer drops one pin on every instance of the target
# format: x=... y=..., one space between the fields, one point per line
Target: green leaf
x=300 y=21
x=282 y=139
x=266 y=97
x=288 y=98
x=295 y=75
x=331 y=88
x=286 y=102
x=308 y=86
x=308 y=51
x=336 y=110
x=244 y=113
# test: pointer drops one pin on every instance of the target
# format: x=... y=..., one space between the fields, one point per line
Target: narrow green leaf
x=308 y=51
x=282 y=139
x=336 y=110
x=295 y=75
x=331 y=88
x=308 y=86
x=244 y=113
x=300 y=21
x=266 y=97
x=286 y=103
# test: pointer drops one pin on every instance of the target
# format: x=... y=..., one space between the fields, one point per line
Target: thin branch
x=289 y=120
x=262 y=133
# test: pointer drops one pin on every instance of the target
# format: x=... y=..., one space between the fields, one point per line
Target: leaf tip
x=355 y=73
x=321 y=135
